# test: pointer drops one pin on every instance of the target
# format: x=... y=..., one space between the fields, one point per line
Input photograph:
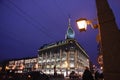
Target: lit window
x=71 y=64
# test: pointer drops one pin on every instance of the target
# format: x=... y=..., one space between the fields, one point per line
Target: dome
x=70 y=33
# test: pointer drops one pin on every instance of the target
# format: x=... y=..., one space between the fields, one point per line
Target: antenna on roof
x=69 y=21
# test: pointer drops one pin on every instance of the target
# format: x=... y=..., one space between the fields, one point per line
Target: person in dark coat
x=55 y=71
x=72 y=75
x=97 y=74
x=87 y=75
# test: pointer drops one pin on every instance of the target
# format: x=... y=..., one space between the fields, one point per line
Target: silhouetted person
x=55 y=71
x=72 y=74
x=87 y=75
x=97 y=75
x=101 y=77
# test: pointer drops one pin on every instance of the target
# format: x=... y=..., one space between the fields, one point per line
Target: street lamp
x=83 y=22
x=110 y=40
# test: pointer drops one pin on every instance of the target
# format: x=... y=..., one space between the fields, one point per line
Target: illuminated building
x=65 y=56
x=23 y=65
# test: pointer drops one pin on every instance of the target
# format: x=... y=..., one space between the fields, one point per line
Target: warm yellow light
x=0 y=68
x=101 y=68
x=82 y=24
x=87 y=60
x=7 y=68
x=65 y=64
x=36 y=65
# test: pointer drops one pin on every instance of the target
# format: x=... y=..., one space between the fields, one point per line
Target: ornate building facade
x=63 y=56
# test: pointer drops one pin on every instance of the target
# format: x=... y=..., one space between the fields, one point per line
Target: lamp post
x=109 y=40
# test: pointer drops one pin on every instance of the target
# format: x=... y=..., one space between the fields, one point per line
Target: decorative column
x=61 y=60
x=46 y=61
x=68 y=62
x=42 y=62
x=50 y=63
x=76 y=58
x=110 y=40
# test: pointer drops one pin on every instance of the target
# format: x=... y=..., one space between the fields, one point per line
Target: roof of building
x=62 y=44
x=69 y=40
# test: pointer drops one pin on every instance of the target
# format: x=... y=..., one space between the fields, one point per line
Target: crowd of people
x=87 y=75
